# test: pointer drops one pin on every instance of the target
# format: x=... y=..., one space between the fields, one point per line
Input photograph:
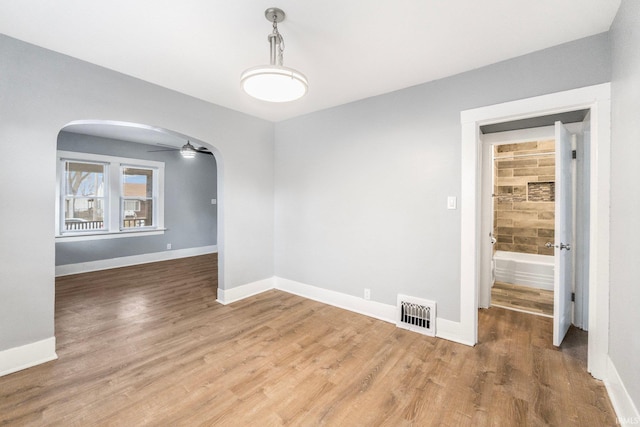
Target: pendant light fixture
x=274 y=82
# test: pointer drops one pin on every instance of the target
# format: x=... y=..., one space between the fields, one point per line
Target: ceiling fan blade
x=204 y=150
x=166 y=149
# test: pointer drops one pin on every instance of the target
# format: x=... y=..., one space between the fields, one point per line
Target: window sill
x=108 y=235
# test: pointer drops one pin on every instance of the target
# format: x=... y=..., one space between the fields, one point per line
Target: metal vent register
x=416 y=315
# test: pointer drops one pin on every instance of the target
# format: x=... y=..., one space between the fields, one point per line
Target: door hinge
x=573 y=296
x=574 y=154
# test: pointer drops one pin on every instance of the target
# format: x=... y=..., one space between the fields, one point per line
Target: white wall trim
x=597 y=98
x=626 y=410
x=227 y=296
x=452 y=331
x=28 y=355
x=369 y=308
x=445 y=329
x=105 y=264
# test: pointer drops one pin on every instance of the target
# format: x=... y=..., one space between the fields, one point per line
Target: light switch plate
x=452 y=202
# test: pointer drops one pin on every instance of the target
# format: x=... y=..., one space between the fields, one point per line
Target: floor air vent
x=416 y=315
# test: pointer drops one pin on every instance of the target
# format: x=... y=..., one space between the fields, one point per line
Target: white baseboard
x=227 y=296
x=369 y=308
x=28 y=355
x=452 y=331
x=445 y=329
x=105 y=264
x=626 y=411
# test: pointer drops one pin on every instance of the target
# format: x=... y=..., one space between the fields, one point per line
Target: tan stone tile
x=517 y=180
x=527 y=249
x=505 y=172
x=533 y=224
x=521 y=146
x=546 y=232
x=547 y=145
x=504 y=239
x=529 y=241
x=529 y=232
x=503 y=205
x=503 y=222
x=534 y=206
x=547 y=170
x=510 y=163
x=547 y=161
x=518 y=215
x=546 y=215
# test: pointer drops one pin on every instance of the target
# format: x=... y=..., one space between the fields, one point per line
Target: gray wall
x=190 y=218
x=624 y=340
x=41 y=92
x=361 y=189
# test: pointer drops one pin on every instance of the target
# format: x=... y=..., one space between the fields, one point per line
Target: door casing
x=598 y=100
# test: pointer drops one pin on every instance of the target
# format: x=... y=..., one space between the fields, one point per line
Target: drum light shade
x=274 y=83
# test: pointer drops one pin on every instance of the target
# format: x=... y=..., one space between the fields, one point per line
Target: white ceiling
x=348 y=49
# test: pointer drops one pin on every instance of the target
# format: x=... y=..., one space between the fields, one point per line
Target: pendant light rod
x=273 y=46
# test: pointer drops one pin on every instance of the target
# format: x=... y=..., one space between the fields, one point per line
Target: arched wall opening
x=191 y=194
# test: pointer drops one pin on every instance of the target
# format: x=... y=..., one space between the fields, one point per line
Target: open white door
x=563 y=272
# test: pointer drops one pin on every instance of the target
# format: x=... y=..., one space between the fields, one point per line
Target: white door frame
x=596 y=98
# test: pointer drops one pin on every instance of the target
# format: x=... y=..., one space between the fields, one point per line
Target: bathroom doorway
x=534 y=218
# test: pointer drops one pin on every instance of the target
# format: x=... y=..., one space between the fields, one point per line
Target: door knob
x=548 y=245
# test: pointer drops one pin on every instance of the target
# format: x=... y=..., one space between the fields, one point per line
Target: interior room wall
x=624 y=339
x=361 y=189
x=189 y=216
x=40 y=92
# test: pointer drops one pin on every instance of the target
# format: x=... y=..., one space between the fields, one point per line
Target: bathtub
x=533 y=270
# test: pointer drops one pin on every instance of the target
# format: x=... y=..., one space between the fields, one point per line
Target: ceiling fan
x=187 y=151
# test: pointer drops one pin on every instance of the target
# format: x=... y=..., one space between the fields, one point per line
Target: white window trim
x=113 y=197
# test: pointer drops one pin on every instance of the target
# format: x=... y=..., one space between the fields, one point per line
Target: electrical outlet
x=367 y=293
x=168 y=246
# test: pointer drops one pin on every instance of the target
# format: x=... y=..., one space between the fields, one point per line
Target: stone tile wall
x=524 y=194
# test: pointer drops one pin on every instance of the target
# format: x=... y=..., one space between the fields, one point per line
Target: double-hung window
x=105 y=196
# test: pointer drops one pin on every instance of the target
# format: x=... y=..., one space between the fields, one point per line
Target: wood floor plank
x=149 y=345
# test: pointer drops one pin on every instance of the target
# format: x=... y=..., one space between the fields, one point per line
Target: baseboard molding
x=28 y=355
x=626 y=411
x=227 y=296
x=106 y=264
x=445 y=329
x=369 y=308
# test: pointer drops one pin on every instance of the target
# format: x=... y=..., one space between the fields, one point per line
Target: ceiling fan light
x=188 y=151
x=274 y=83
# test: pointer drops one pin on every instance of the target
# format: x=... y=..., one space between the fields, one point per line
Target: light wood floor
x=150 y=346
x=522 y=298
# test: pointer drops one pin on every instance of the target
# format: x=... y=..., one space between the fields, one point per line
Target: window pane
x=137 y=213
x=137 y=182
x=83 y=179
x=137 y=192
x=84 y=196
